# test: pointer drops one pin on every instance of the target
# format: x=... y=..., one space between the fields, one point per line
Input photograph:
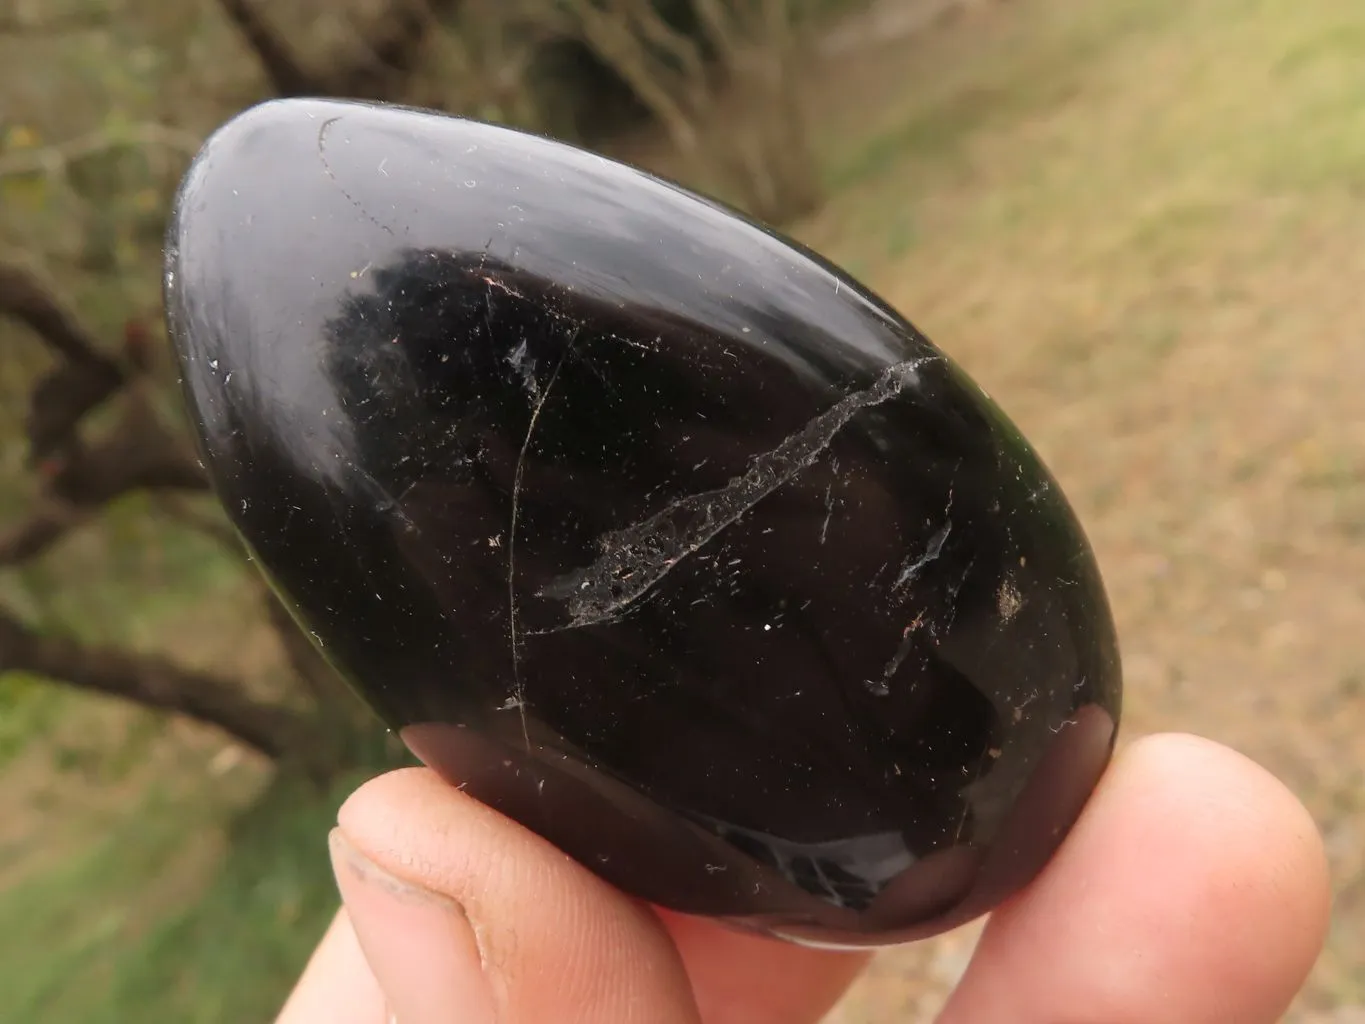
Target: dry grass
x=1139 y=226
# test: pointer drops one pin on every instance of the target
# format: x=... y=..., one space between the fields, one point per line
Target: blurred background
x=1139 y=224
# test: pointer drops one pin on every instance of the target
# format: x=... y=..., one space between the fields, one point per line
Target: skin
x=1194 y=889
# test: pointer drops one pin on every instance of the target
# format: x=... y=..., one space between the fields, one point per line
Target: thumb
x=464 y=915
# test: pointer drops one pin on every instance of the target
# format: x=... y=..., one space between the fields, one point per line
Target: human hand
x=1194 y=889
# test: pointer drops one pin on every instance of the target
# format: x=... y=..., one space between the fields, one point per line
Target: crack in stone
x=882 y=687
x=331 y=175
x=912 y=568
x=638 y=557
x=829 y=499
x=518 y=698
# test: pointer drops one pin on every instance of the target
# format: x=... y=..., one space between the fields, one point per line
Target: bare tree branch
x=394 y=42
x=720 y=20
x=85 y=378
x=25 y=298
x=610 y=28
x=61 y=398
x=155 y=682
x=175 y=507
x=751 y=47
x=675 y=46
x=139 y=453
x=384 y=64
x=478 y=59
x=46 y=524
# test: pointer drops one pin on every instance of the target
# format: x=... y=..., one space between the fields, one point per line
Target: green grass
x=234 y=955
x=89 y=939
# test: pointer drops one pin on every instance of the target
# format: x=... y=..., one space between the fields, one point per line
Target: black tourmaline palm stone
x=647 y=527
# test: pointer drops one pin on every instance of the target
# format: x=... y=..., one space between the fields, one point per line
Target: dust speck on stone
x=1008 y=599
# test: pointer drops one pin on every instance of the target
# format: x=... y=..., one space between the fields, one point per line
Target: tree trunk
x=279 y=733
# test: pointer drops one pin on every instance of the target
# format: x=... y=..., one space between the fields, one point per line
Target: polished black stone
x=644 y=525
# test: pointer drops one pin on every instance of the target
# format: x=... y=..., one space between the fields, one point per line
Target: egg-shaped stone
x=642 y=524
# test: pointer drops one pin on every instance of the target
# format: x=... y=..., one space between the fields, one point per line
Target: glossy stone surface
x=645 y=526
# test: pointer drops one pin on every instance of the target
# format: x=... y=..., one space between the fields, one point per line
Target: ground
x=1139 y=226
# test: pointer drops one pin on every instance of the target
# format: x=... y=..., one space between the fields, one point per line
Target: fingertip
x=371 y=800
x=419 y=944
x=1194 y=887
x=1237 y=809
x=556 y=942
x=1259 y=841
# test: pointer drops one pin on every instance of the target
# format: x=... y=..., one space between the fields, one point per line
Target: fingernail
x=418 y=942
